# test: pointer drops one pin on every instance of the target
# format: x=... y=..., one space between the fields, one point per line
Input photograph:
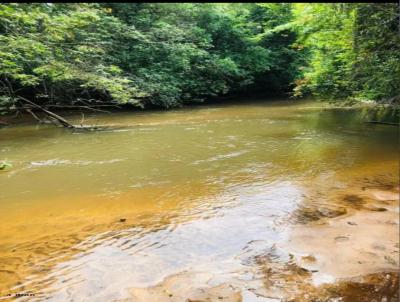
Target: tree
x=354 y=50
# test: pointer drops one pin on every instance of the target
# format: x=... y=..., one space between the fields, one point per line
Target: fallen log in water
x=383 y=123
x=52 y=115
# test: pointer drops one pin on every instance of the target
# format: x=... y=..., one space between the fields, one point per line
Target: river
x=252 y=201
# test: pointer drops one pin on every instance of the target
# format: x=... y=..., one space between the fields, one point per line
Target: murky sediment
x=253 y=202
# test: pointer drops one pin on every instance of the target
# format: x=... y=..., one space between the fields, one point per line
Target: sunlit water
x=86 y=216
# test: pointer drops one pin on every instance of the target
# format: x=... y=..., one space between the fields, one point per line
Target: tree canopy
x=165 y=54
x=354 y=50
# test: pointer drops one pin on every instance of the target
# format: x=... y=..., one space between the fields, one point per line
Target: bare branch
x=61 y=120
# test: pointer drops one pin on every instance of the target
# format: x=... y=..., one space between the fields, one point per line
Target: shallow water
x=96 y=216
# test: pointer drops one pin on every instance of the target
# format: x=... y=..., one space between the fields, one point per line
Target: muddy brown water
x=258 y=201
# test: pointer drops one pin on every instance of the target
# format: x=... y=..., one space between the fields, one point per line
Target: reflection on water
x=103 y=215
x=208 y=240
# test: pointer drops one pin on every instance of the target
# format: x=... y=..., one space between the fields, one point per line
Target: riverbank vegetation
x=148 y=54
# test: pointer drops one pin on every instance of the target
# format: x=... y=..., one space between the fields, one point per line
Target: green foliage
x=58 y=52
x=140 y=53
x=166 y=54
x=354 y=50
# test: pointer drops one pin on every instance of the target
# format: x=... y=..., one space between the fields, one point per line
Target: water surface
x=107 y=215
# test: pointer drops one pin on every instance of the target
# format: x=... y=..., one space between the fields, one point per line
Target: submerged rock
x=354 y=201
x=372 y=287
x=384 y=195
x=306 y=214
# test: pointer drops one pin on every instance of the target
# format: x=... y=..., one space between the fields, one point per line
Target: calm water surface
x=86 y=216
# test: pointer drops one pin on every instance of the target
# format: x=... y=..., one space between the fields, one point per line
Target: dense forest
x=165 y=55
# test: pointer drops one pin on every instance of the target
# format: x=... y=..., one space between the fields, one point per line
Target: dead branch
x=82 y=107
x=83 y=119
x=383 y=123
x=61 y=120
x=34 y=115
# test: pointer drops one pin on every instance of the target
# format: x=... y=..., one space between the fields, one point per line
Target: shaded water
x=112 y=214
